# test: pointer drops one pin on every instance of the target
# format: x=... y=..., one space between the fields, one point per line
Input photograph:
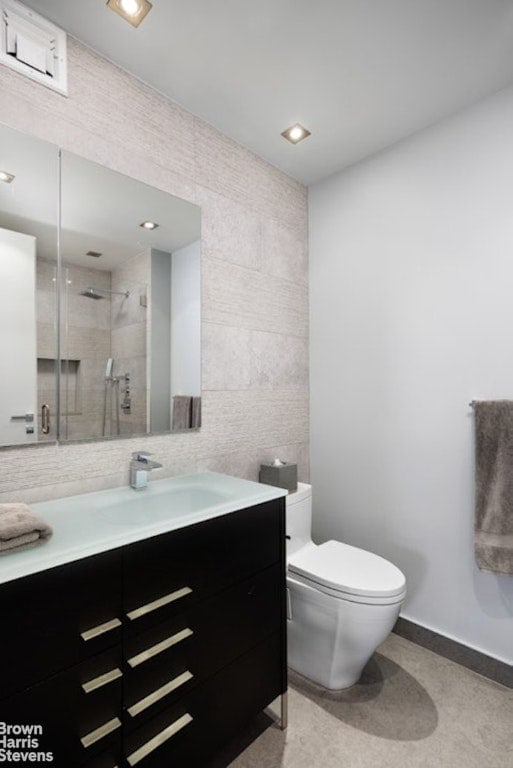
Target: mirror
x=124 y=358
x=29 y=186
x=130 y=306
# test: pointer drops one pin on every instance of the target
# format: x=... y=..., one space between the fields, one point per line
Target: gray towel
x=196 y=413
x=20 y=529
x=494 y=485
x=182 y=405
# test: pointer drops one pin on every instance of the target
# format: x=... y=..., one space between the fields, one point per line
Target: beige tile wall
x=254 y=279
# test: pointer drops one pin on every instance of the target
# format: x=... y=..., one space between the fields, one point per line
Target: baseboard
x=478 y=662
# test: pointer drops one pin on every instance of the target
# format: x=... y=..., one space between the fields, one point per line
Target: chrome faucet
x=140 y=465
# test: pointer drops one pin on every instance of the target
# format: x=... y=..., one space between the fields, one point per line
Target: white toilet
x=343 y=601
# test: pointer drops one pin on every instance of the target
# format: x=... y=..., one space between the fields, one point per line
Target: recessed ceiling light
x=133 y=11
x=7 y=177
x=295 y=133
x=148 y=225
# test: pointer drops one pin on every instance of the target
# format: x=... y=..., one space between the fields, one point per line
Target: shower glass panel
x=130 y=305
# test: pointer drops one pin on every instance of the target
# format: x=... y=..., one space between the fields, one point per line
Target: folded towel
x=196 y=413
x=494 y=485
x=182 y=405
x=20 y=529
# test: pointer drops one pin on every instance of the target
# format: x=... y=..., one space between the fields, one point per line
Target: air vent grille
x=32 y=45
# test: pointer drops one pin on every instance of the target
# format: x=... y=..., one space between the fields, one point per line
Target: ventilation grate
x=32 y=45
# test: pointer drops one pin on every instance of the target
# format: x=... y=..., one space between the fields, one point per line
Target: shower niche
x=110 y=300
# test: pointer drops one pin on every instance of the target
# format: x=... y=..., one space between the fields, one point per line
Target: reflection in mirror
x=29 y=176
x=130 y=306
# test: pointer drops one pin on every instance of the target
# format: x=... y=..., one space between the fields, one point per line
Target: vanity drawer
x=191 y=730
x=79 y=711
x=166 y=574
x=53 y=619
x=166 y=661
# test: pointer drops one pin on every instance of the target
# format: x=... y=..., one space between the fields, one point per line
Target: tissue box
x=282 y=476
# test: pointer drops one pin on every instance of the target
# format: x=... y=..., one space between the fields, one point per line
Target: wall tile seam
x=303 y=284
x=260 y=331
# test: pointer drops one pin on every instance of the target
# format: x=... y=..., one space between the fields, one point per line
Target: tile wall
x=254 y=279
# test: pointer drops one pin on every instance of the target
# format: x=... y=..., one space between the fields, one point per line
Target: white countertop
x=91 y=523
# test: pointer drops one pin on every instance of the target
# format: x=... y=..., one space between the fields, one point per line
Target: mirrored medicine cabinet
x=100 y=306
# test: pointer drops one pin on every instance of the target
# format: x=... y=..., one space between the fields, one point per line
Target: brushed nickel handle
x=101 y=732
x=139 y=658
x=45 y=419
x=100 y=629
x=101 y=680
x=149 y=607
x=159 y=739
x=143 y=704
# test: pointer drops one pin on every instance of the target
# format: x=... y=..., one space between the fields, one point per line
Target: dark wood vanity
x=156 y=653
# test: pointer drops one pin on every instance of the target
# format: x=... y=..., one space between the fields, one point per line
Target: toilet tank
x=299 y=518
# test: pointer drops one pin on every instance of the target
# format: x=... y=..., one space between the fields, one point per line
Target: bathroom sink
x=172 y=503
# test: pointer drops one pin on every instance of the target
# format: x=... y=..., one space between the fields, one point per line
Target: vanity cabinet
x=155 y=653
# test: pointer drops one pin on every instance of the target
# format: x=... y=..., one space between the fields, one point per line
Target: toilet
x=342 y=601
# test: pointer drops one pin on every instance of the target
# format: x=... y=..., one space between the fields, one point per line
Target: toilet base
x=330 y=640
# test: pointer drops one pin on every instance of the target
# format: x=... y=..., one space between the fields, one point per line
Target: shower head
x=100 y=293
x=92 y=293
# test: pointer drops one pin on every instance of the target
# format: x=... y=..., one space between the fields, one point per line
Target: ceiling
x=359 y=74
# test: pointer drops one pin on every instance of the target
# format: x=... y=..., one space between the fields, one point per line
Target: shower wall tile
x=46 y=340
x=129 y=341
x=80 y=343
x=254 y=283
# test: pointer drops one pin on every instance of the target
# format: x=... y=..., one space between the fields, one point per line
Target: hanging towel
x=494 y=485
x=182 y=405
x=20 y=529
x=196 y=413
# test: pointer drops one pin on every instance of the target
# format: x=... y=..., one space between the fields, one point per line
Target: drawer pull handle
x=159 y=739
x=100 y=629
x=98 y=682
x=101 y=732
x=143 y=704
x=134 y=661
x=149 y=607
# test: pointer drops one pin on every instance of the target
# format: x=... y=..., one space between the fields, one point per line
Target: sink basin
x=146 y=507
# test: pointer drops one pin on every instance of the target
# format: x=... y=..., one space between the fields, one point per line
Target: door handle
x=23 y=417
x=45 y=419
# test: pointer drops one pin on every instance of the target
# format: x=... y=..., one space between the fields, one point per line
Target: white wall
x=411 y=259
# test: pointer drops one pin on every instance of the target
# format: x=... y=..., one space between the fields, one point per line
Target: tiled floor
x=411 y=709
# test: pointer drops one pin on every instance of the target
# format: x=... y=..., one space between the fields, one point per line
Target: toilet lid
x=348 y=569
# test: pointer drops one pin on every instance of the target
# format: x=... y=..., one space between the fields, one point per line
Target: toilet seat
x=348 y=573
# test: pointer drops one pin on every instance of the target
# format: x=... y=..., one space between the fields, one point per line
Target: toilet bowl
x=343 y=601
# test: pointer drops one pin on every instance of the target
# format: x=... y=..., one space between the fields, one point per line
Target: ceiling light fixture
x=7 y=177
x=148 y=225
x=295 y=133
x=132 y=11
